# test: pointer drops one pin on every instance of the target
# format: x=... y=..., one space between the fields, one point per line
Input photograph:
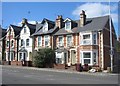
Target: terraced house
x=2 y=43
x=25 y=42
x=85 y=41
x=43 y=36
x=82 y=41
x=12 y=43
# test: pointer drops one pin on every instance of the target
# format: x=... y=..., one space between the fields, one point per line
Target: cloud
x=96 y=9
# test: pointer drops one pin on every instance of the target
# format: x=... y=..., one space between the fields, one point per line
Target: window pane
x=94 y=57
x=94 y=38
x=67 y=25
x=39 y=40
x=69 y=39
x=27 y=42
x=86 y=55
x=86 y=36
x=86 y=61
x=24 y=29
x=7 y=43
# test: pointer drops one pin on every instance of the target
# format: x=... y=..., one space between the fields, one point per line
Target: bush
x=44 y=58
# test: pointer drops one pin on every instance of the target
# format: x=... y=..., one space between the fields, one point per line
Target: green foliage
x=44 y=58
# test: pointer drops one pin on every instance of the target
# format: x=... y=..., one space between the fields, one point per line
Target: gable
x=25 y=30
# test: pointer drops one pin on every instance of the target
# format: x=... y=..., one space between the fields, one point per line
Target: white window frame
x=28 y=42
x=66 y=25
x=61 y=44
x=94 y=39
x=47 y=39
x=91 y=59
x=62 y=58
x=22 y=44
x=40 y=41
x=69 y=44
x=82 y=40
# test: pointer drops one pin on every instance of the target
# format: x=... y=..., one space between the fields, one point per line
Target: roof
x=4 y=32
x=47 y=20
x=32 y=28
x=16 y=29
x=38 y=26
x=92 y=24
x=40 y=32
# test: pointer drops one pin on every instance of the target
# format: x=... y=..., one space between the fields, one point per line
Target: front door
x=73 y=57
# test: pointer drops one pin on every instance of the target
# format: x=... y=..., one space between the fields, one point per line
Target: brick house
x=12 y=43
x=2 y=43
x=43 y=36
x=85 y=41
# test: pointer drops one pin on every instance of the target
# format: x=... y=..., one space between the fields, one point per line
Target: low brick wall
x=6 y=62
x=16 y=63
x=59 y=66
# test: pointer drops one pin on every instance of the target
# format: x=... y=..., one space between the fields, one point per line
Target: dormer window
x=67 y=24
x=45 y=27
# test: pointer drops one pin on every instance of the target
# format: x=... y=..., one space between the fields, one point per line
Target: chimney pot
x=82 y=18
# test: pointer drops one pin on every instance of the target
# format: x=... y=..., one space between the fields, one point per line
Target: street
x=19 y=75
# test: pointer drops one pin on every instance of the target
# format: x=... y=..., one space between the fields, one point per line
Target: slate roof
x=49 y=21
x=16 y=29
x=4 y=32
x=40 y=32
x=32 y=28
x=92 y=24
x=38 y=26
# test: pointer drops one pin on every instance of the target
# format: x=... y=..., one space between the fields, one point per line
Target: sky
x=14 y=12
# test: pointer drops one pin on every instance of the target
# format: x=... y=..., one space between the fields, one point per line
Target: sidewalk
x=61 y=70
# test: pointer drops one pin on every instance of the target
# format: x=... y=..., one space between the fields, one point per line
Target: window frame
x=69 y=43
x=62 y=42
x=66 y=26
x=27 y=42
x=39 y=41
x=47 y=39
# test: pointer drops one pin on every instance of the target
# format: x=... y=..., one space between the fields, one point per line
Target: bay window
x=89 y=57
x=94 y=38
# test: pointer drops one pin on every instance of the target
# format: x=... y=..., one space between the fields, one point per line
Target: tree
x=44 y=58
x=118 y=46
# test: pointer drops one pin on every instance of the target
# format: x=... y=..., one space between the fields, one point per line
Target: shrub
x=44 y=58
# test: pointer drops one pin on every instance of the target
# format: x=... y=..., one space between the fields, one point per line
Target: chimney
x=59 y=21
x=82 y=18
x=24 y=21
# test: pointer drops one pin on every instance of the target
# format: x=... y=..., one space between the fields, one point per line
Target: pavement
x=31 y=75
x=63 y=70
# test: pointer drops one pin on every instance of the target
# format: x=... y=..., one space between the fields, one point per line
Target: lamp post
x=111 y=47
x=9 y=45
